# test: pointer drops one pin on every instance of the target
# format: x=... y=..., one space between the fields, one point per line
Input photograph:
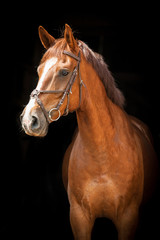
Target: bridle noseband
x=66 y=92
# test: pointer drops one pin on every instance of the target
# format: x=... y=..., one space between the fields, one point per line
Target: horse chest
x=91 y=186
x=98 y=196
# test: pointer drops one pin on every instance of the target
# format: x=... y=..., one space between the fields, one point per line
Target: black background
x=34 y=202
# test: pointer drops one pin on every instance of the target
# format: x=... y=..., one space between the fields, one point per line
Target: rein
x=66 y=92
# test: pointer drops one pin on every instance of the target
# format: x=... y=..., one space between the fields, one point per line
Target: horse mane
x=97 y=62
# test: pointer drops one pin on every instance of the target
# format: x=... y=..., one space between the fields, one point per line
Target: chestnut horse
x=109 y=169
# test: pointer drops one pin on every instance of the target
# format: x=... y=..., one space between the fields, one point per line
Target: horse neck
x=95 y=117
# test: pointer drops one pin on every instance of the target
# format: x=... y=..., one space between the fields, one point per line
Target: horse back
x=143 y=128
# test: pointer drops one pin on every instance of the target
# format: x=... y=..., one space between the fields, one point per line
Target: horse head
x=59 y=86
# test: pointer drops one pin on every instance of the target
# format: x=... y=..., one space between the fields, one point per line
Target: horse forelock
x=56 y=50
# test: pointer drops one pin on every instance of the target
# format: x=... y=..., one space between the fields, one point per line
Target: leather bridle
x=66 y=92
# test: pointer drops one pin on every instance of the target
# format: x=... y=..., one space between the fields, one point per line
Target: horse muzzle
x=34 y=122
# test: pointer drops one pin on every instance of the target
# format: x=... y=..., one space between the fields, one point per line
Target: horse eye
x=64 y=72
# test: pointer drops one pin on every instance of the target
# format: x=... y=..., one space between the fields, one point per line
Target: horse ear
x=46 y=39
x=68 y=35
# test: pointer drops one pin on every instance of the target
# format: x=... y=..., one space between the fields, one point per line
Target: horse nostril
x=34 y=123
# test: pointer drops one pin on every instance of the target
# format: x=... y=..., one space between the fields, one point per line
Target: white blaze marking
x=50 y=63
